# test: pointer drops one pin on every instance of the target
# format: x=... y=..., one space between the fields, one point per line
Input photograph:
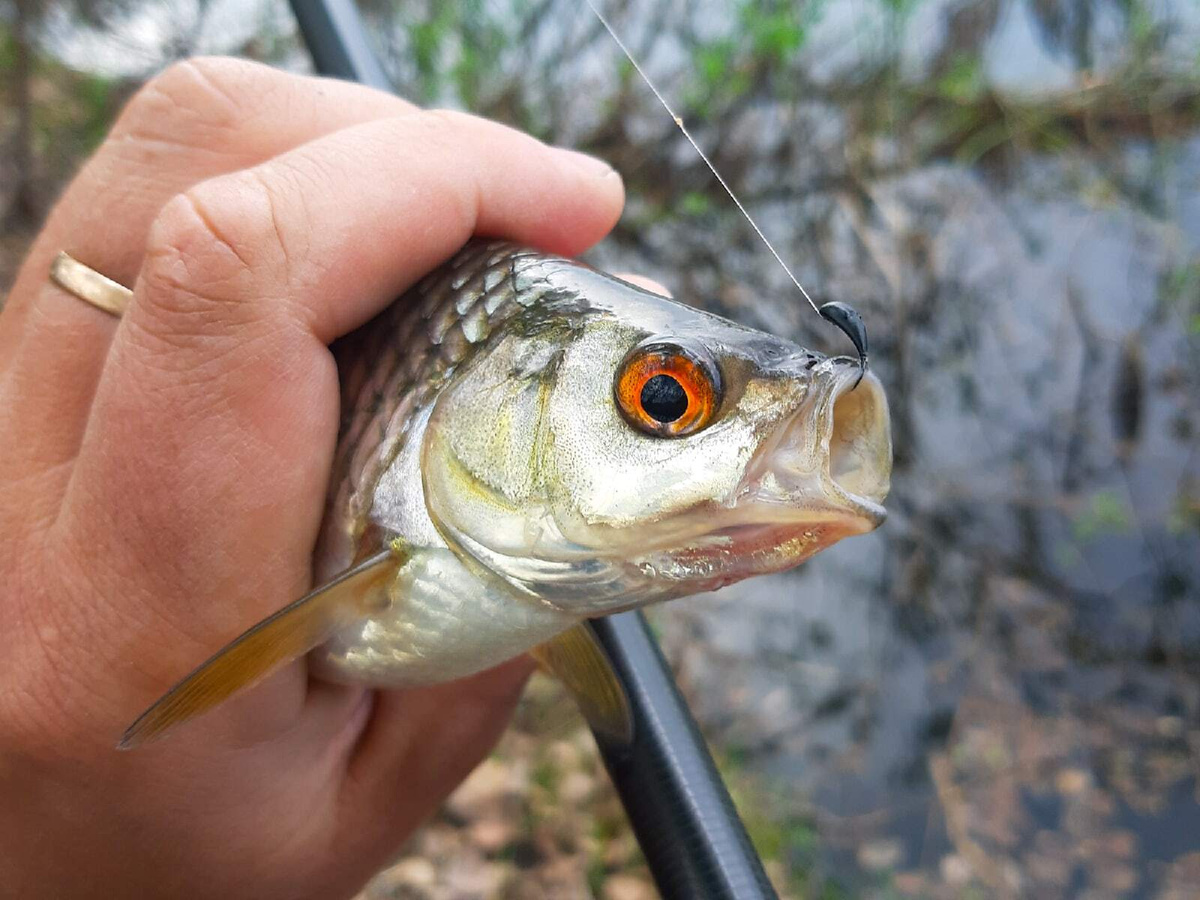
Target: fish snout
x=830 y=460
x=858 y=442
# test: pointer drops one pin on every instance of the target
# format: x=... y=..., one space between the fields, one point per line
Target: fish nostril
x=860 y=443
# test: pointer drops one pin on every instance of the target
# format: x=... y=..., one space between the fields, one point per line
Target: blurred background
x=998 y=693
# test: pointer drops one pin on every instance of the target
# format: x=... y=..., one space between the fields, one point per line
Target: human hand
x=164 y=477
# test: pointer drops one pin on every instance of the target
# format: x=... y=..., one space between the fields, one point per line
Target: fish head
x=614 y=448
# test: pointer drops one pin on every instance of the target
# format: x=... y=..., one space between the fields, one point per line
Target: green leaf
x=694 y=203
x=1106 y=513
x=713 y=61
x=774 y=35
x=963 y=81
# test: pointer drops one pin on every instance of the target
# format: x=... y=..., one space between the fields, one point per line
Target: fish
x=528 y=443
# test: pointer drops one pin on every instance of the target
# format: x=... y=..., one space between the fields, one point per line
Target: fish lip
x=830 y=459
x=858 y=428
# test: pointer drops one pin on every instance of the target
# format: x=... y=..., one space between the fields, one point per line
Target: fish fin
x=578 y=660
x=279 y=639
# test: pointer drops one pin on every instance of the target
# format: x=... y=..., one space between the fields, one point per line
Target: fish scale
x=401 y=358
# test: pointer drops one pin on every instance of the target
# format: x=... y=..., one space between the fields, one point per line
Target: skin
x=164 y=478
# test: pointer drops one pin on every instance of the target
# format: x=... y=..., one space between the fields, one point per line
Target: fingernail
x=589 y=165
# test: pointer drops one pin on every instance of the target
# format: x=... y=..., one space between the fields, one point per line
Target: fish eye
x=668 y=390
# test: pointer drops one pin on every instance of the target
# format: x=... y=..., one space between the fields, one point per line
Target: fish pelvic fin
x=576 y=658
x=279 y=639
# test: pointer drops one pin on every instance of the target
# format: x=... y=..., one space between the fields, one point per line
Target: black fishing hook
x=846 y=318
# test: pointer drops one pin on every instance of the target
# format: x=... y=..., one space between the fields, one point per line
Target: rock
x=469 y=879
x=627 y=887
x=912 y=884
x=576 y=787
x=1050 y=863
x=492 y=835
x=484 y=790
x=412 y=878
x=1169 y=726
x=565 y=755
x=1181 y=879
x=1120 y=844
x=1072 y=781
x=955 y=870
x=1118 y=878
x=619 y=851
x=879 y=855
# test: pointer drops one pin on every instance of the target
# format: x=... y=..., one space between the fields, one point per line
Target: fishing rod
x=690 y=833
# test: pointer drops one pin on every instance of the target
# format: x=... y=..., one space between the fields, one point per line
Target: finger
x=214 y=422
x=198 y=119
x=419 y=745
x=655 y=287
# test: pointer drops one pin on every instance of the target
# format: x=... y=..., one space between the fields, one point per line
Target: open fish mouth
x=859 y=458
x=830 y=461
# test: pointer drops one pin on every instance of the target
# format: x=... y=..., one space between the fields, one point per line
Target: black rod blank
x=336 y=38
x=694 y=842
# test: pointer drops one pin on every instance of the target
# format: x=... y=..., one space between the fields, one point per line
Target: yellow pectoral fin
x=578 y=660
x=275 y=641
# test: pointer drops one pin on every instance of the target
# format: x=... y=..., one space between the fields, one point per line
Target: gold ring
x=89 y=285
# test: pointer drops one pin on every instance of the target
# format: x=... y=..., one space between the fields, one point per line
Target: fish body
x=528 y=443
x=482 y=431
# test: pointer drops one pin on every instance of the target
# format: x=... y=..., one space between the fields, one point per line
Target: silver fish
x=529 y=443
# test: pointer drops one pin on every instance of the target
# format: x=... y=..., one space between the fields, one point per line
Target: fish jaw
x=831 y=459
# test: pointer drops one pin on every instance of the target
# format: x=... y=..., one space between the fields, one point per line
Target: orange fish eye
x=668 y=390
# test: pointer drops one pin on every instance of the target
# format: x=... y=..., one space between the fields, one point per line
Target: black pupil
x=664 y=399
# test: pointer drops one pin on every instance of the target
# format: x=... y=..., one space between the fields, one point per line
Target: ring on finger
x=89 y=285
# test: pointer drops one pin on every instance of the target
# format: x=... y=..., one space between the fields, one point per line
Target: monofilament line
x=687 y=134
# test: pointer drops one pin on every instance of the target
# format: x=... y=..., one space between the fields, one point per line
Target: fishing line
x=840 y=314
x=691 y=140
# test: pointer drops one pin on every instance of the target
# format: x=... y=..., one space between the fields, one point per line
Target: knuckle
x=197 y=97
x=218 y=231
x=213 y=253
x=186 y=247
x=204 y=248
